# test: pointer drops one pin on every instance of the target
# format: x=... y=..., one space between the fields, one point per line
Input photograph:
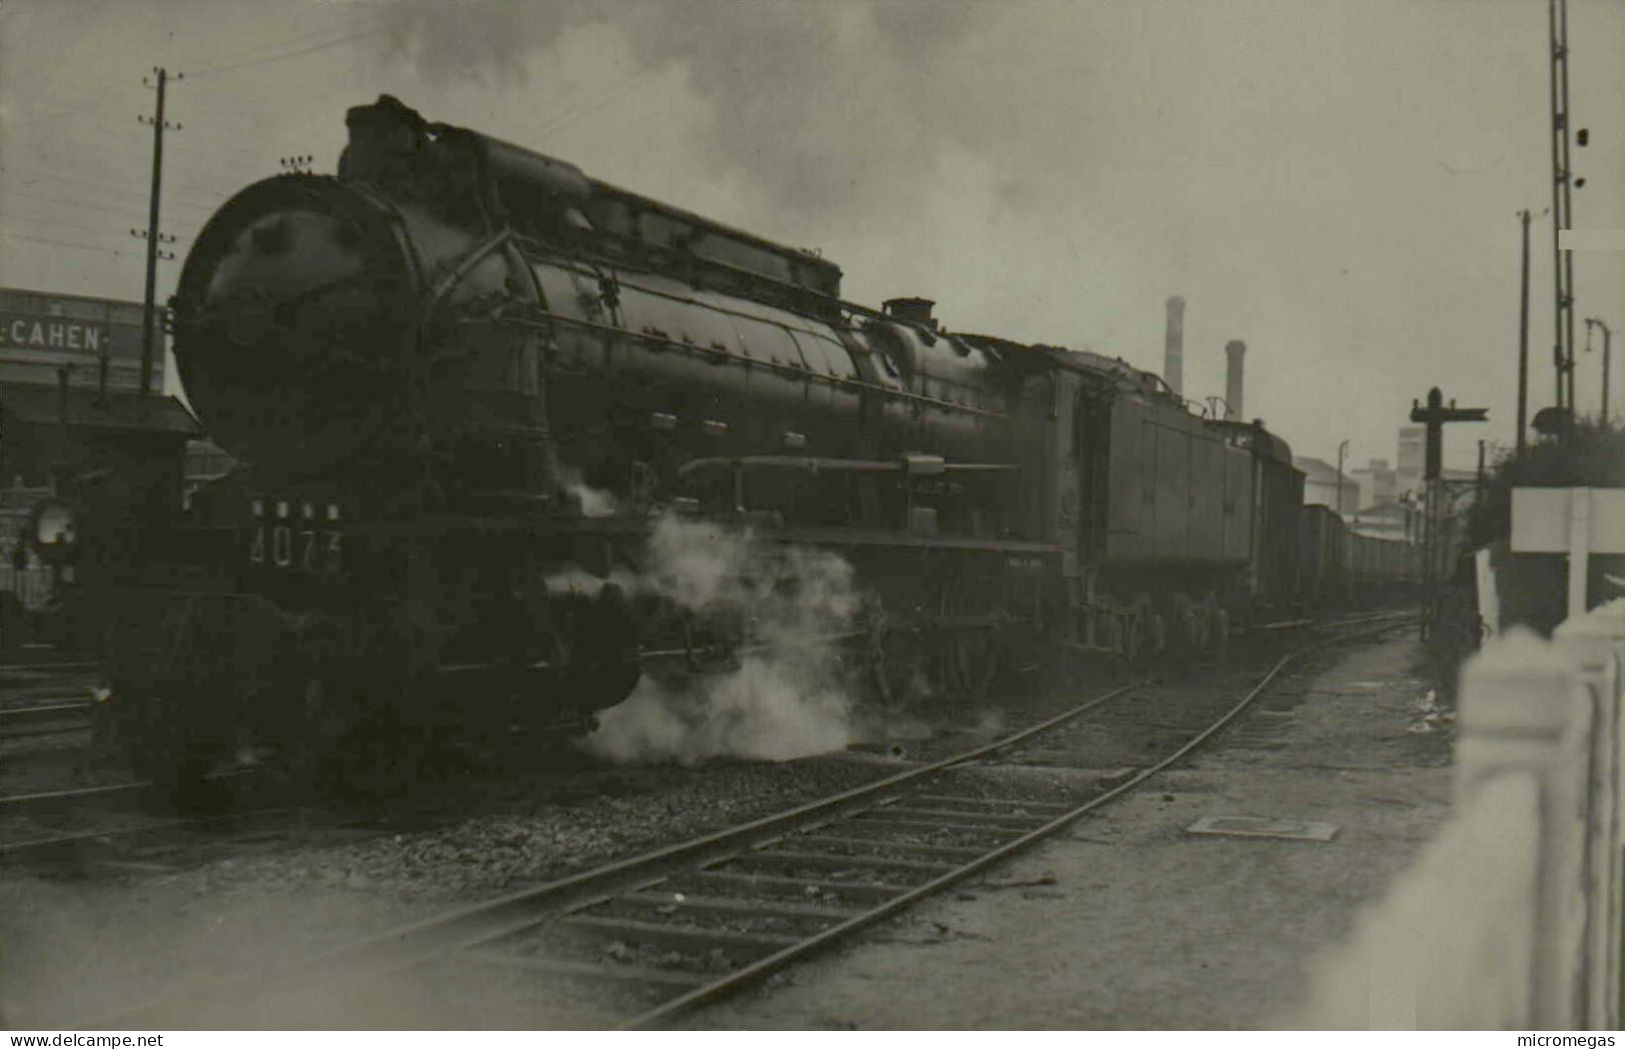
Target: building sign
x=46 y=336
x=38 y=332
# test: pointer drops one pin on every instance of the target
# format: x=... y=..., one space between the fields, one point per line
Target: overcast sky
x=1334 y=181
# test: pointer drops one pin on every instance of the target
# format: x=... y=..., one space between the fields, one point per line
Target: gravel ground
x=490 y=853
x=70 y=950
x=73 y=949
x=46 y=761
x=1128 y=921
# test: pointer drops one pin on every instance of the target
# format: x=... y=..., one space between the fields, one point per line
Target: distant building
x=1378 y=483
x=1378 y=501
x=74 y=424
x=45 y=336
x=70 y=388
x=1412 y=456
x=1320 y=485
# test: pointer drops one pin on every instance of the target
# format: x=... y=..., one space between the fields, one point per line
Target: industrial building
x=73 y=419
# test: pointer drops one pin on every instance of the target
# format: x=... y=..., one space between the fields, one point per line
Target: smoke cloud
x=788 y=696
x=790 y=86
x=1050 y=171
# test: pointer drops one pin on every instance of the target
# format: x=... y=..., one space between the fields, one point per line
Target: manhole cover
x=1260 y=827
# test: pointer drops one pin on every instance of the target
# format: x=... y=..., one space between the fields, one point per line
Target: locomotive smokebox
x=1236 y=351
x=912 y=310
x=291 y=315
x=1173 y=354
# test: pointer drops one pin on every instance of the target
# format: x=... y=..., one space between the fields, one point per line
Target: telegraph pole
x=1341 y=448
x=1523 y=338
x=152 y=236
x=1607 y=337
x=1562 y=261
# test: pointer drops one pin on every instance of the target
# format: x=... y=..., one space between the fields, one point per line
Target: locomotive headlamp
x=54 y=531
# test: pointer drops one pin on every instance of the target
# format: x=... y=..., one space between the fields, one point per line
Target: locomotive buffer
x=1434 y=416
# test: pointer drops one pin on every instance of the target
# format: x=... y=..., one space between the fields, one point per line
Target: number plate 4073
x=299 y=536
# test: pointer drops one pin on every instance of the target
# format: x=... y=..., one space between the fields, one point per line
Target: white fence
x=1511 y=917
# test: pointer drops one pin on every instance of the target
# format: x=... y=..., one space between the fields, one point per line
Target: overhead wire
x=240 y=54
x=48 y=179
x=59 y=224
x=70 y=113
x=90 y=98
x=53 y=97
x=142 y=153
x=104 y=186
x=70 y=244
x=83 y=107
x=199 y=176
x=228 y=113
x=217 y=70
x=260 y=50
x=189 y=198
x=135 y=201
x=120 y=137
x=87 y=108
x=615 y=93
x=135 y=210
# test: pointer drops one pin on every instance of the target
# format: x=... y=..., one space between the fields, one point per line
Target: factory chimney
x=1173 y=354
x=1236 y=350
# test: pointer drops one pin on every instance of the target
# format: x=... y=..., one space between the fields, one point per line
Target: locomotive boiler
x=460 y=371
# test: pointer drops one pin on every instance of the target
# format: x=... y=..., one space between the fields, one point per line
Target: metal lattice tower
x=1562 y=261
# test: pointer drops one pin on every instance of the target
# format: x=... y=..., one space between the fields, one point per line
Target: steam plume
x=787 y=697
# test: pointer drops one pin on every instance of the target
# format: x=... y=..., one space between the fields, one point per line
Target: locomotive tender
x=460 y=370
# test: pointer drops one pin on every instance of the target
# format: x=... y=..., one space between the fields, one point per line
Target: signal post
x=1435 y=548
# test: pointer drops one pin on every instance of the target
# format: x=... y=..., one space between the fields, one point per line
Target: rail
x=45 y=718
x=762 y=895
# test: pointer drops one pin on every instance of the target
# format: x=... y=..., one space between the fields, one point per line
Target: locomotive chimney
x=1173 y=355
x=914 y=311
x=1236 y=350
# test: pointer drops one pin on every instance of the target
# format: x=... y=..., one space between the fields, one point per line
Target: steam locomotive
x=460 y=370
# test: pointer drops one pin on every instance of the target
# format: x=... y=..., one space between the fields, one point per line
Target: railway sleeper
x=679 y=937
x=967 y=852
x=680 y=902
x=778 y=887
x=591 y=971
x=711 y=920
x=1011 y=821
x=964 y=803
x=834 y=863
x=943 y=826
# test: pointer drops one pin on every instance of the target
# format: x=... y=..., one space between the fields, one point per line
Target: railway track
x=62 y=826
x=46 y=698
x=41 y=719
x=649 y=938
x=48 y=662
